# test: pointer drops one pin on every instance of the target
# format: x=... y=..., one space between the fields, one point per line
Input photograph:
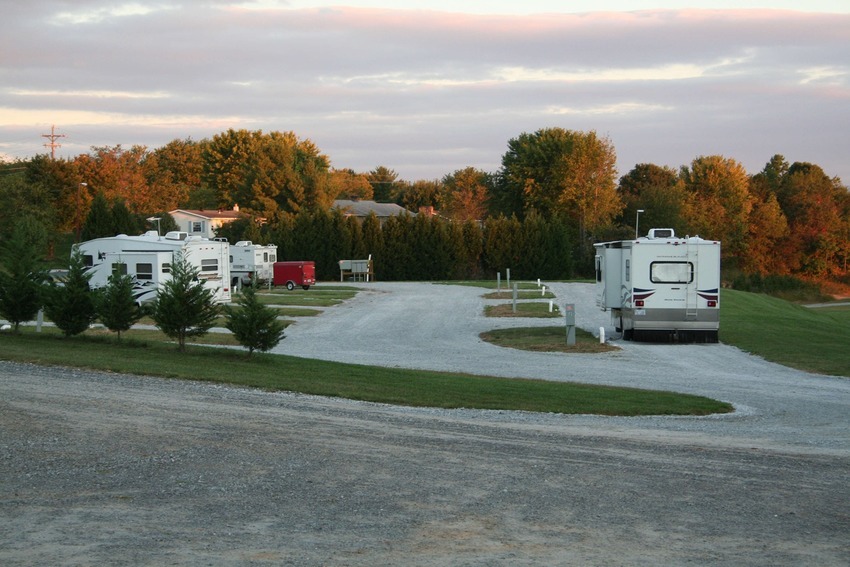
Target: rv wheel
x=290 y=286
x=306 y=287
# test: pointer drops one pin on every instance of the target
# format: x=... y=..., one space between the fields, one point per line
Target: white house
x=204 y=222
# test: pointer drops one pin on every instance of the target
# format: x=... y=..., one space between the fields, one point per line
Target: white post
x=550 y=305
x=508 y=270
x=602 y=335
x=498 y=281
x=543 y=293
x=538 y=282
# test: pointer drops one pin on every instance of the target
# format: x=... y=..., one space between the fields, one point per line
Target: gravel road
x=101 y=468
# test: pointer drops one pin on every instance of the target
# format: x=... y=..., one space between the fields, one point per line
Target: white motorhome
x=148 y=259
x=661 y=287
x=249 y=262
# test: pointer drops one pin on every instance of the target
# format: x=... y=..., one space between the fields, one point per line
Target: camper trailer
x=251 y=262
x=148 y=259
x=661 y=287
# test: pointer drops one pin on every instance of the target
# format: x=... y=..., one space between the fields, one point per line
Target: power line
x=52 y=137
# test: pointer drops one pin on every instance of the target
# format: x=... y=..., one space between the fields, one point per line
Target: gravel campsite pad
x=107 y=469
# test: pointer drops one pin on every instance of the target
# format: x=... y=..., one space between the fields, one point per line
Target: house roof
x=211 y=214
x=363 y=208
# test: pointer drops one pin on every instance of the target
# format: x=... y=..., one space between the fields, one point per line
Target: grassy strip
x=519 y=295
x=375 y=384
x=814 y=340
x=523 y=309
x=545 y=339
x=296 y=300
x=492 y=284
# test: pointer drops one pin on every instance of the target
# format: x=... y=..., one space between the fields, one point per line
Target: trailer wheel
x=290 y=285
x=306 y=287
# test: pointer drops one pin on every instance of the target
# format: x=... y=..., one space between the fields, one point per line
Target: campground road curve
x=100 y=468
x=436 y=327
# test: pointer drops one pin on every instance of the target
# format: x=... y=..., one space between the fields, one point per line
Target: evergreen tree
x=21 y=278
x=70 y=305
x=116 y=306
x=184 y=308
x=123 y=221
x=98 y=222
x=254 y=325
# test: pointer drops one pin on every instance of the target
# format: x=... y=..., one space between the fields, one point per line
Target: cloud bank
x=426 y=92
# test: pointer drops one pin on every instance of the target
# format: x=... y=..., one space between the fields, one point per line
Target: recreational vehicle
x=249 y=262
x=148 y=259
x=661 y=287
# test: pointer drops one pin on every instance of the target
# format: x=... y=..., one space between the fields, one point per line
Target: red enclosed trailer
x=293 y=273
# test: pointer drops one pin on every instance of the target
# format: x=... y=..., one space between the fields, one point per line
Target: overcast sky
x=429 y=87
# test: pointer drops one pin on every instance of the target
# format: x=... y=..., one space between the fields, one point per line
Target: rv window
x=628 y=270
x=265 y=257
x=273 y=258
x=210 y=265
x=598 y=269
x=119 y=268
x=88 y=260
x=144 y=271
x=166 y=268
x=671 y=272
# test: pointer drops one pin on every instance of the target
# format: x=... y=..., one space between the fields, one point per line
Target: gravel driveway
x=112 y=469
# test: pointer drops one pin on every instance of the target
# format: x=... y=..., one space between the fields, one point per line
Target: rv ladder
x=691 y=288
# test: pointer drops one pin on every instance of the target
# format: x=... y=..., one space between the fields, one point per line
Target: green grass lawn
x=546 y=339
x=815 y=340
x=523 y=309
x=810 y=339
x=376 y=384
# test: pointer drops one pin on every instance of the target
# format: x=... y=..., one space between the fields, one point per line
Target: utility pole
x=52 y=137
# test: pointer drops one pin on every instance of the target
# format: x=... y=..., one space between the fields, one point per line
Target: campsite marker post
x=570 y=316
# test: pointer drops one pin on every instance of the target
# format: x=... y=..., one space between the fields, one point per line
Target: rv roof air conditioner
x=661 y=233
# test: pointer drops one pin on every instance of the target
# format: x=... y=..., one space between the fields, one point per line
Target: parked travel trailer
x=148 y=259
x=251 y=262
x=293 y=273
x=661 y=287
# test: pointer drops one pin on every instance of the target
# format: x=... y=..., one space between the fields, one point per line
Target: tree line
x=556 y=193
x=419 y=247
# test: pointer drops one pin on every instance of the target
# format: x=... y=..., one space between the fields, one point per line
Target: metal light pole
x=637 y=222
x=80 y=209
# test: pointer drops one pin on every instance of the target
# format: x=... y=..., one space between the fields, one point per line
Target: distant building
x=362 y=209
x=204 y=222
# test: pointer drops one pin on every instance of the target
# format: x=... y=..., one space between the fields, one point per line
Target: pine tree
x=184 y=308
x=99 y=220
x=70 y=305
x=116 y=306
x=21 y=279
x=254 y=325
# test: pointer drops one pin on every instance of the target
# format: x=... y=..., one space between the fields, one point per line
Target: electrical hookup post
x=570 y=317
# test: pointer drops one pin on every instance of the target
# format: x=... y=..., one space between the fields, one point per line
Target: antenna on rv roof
x=637 y=221
x=157 y=219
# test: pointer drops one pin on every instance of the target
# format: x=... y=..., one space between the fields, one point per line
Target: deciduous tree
x=466 y=194
x=564 y=173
